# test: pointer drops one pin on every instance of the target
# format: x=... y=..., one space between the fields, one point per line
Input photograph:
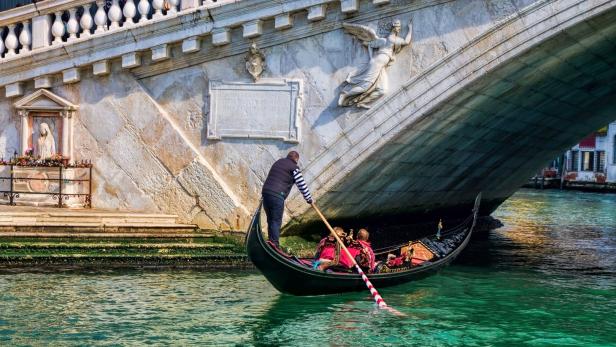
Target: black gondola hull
x=290 y=277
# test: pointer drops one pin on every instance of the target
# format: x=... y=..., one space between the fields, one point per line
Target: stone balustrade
x=54 y=22
x=35 y=31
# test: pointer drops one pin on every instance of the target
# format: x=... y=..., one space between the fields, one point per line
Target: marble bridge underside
x=482 y=120
x=483 y=94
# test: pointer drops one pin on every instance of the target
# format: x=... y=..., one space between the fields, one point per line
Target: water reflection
x=547 y=278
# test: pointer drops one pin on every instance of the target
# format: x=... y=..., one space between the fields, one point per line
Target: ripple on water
x=546 y=278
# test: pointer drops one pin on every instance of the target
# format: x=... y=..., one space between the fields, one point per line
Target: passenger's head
x=339 y=231
x=293 y=155
x=363 y=235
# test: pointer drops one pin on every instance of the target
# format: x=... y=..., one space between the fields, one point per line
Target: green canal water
x=548 y=277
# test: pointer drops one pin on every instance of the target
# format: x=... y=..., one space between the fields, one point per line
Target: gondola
x=295 y=276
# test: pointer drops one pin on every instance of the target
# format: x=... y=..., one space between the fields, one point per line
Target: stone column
x=25 y=38
x=11 y=42
x=24 y=131
x=65 y=134
x=100 y=17
x=57 y=29
x=71 y=145
x=86 y=21
x=144 y=9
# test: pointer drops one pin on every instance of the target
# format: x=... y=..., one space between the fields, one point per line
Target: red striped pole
x=375 y=294
x=377 y=297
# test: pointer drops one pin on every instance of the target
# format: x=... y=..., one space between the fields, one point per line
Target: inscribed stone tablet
x=269 y=109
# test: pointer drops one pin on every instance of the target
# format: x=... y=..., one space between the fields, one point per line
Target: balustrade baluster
x=1 y=42
x=158 y=7
x=25 y=37
x=57 y=29
x=129 y=11
x=72 y=25
x=144 y=9
x=173 y=6
x=115 y=15
x=86 y=21
x=11 y=41
x=100 y=17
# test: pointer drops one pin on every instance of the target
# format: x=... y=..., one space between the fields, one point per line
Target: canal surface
x=548 y=277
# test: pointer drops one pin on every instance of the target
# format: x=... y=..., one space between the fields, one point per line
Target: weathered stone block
x=221 y=37
x=186 y=4
x=252 y=29
x=71 y=75
x=191 y=44
x=41 y=31
x=131 y=60
x=283 y=21
x=349 y=6
x=161 y=52
x=144 y=169
x=42 y=82
x=101 y=68
x=14 y=89
x=317 y=12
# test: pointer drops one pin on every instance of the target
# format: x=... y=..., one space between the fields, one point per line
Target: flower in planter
x=600 y=178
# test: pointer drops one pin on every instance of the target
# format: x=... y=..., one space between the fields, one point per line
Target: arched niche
x=45 y=106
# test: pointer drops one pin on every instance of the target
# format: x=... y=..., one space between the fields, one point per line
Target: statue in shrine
x=46 y=144
x=370 y=83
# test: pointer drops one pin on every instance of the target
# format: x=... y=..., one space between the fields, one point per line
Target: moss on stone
x=221 y=249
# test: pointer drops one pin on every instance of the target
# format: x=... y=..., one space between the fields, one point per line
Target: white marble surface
x=146 y=129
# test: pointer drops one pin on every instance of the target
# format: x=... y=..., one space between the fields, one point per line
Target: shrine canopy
x=57 y=113
x=44 y=100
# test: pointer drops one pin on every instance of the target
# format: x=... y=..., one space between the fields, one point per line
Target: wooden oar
x=377 y=298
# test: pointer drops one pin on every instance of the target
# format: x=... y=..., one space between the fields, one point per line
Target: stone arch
x=500 y=105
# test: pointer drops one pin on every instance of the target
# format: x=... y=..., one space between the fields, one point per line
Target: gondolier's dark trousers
x=274 y=208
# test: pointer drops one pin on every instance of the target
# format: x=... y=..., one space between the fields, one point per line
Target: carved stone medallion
x=255 y=62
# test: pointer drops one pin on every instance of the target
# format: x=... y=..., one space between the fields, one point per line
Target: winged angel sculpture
x=370 y=83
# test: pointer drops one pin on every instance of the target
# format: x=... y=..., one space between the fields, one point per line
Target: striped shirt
x=301 y=185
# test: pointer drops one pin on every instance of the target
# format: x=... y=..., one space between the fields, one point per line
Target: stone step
x=25 y=234
x=16 y=217
x=175 y=260
x=95 y=228
x=95 y=224
x=4 y=246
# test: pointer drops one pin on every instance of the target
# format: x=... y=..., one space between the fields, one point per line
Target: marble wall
x=147 y=135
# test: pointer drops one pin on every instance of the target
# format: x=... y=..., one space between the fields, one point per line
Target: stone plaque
x=269 y=109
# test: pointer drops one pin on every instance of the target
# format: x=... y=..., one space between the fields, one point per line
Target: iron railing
x=60 y=195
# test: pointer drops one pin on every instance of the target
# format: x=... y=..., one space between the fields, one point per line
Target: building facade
x=594 y=158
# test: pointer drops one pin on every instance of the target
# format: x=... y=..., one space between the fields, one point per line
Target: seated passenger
x=404 y=260
x=365 y=257
x=328 y=251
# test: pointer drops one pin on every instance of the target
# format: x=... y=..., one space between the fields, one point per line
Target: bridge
x=157 y=95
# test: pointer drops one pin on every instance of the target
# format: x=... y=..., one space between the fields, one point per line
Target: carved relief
x=370 y=83
x=255 y=62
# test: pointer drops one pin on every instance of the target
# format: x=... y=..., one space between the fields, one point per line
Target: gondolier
x=280 y=179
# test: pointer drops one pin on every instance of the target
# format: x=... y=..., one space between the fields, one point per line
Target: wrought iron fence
x=14 y=195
